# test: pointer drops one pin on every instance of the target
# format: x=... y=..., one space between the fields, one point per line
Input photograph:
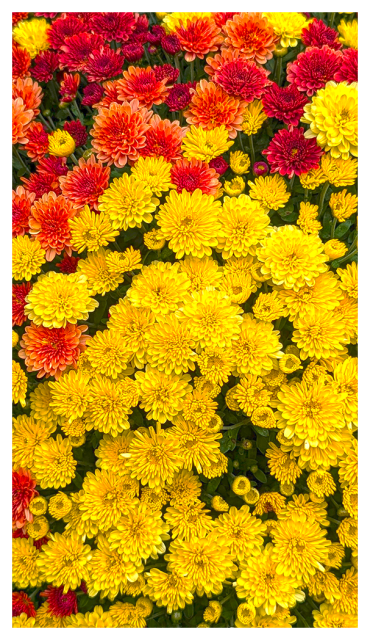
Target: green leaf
x=262 y=443
x=78 y=480
x=342 y=229
x=213 y=485
x=260 y=476
x=260 y=431
x=99 y=312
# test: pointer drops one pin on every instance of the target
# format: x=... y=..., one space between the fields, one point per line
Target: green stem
x=233 y=426
x=302 y=619
x=54 y=90
x=147 y=56
x=51 y=123
x=311 y=602
x=322 y=198
x=333 y=225
x=192 y=71
x=21 y=161
x=78 y=111
x=226 y=599
x=334 y=503
x=334 y=520
x=177 y=65
x=291 y=183
x=34 y=593
x=241 y=141
x=331 y=19
x=306 y=195
x=279 y=66
x=73 y=158
x=44 y=121
x=348 y=255
x=251 y=148
x=145 y=257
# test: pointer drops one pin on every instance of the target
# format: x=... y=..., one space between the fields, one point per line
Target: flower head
x=25 y=571
x=343 y=205
x=318 y=34
x=313 y=68
x=63 y=561
x=348 y=33
x=251 y=35
x=237 y=75
x=162 y=395
x=128 y=202
x=211 y=107
x=23 y=491
x=198 y=36
x=206 y=144
x=292 y=153
x=161 y=287
x=284 y=103
x=32 y=35
x=244 y=224
x=27 y=257
x=163 y=138
x=143 y=85
x=61 y=143
x=287 y=26
x=53 y=463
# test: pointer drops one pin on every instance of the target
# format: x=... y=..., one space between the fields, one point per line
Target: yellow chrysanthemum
x=347 y=533
x=219 y=504
x=59 y=505
x=204 y=145
x=119 y=262
x=253 y=117
x=350 y=500
x=288 y=26
x=320 y=334
x=251 y=393
x=91 y=231
x=333 y=119
x=213 y=612
x=185 y=488
x=268 y=502
x=271 y=192
x=170 y=590
x=343 y=205
x=110 y=404
x=307 y=219
x=19 y=384
x=202 y=272
x=197 y=446
x=324 y=585
x=27 y=433
x=99 y=277
x=160 y=287
x=321 y=483
x=132 y=325
x=41 y=410
x=190 y=222
x=128 y=202
x=256 y=348
x=346 y=383
x=32 y=35
x=170 y=346
x=46 y=619
x=335 y=555
x=109 y=452
x=108 y=573
x=86 y=528
x=261 y=585
x=53 y=463
x=64 y=561
x=264 y=417
x=70 y=395
x=154 y=239
x=162 y=395
x=302 y=504
x=335 y=249
x=300 y=547
x=269 y=307
x=92 y=619
x=199 y=408
x=348 y=589
x=244 y=224
x=27 y=257
x=348 y=33
x=313 y=178
x=22 y=621
x=282 y=465
x=106 y=353
x=61 y=143
x=154 y=173
x=126 y=616
x=187 y=521
x=57 y=299
x=327 y=618
x=203 y=384
x=38 y=528
x=216 y=364
x=349 y=279
x=38 y=506
x=339 y=172
x=207 y=562
x=171 y=21
x=242 y=531
x=25 y=571
x=241 y=485
x=292 y=258
x=324 y=296
x=238 y=286
x=15 y=338
x=239 y=162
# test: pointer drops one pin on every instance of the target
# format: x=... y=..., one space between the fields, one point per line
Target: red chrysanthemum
x=22 y=201
x=313 y=68
x=85 y=183
x=113 y=26
x=21 y=603
x=166 y=71
x=164 y=138
x=50 y=351
x=156 y=34
x=21 y=62
x=19 y=533
x=221 y=18
x=219 y=164
x=179 y=97
x=68 y=264
x=238 y=76
x=64 y=28
x=198 y=37
x=75 y=51
x=317 y=34
x=47 y=176
x=77 y=131
x=69 y=86
x=45 y=63
x=19 y=292
x=133 y=51
x=17 y=16
x=140 y=33
x=47 y=15
x=284 y=103
x=38 y=141
x=290 y=153
x=251 y=35
x=171 y=44
x=23 y=490
x=119 y=132
x=103 y=63
x=141 y=84
x=60 y=604
x=211 y=106
x=348 y=71
x=49 y=222
x=40 y=542
x=92 y=94
x=194 y=174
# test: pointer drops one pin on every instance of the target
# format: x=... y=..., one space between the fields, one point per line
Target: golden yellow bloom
x=53 y=463
x=46 y=619
x=327 y=618
x=346 y=383
x=256 y=348
x=242 y=531
x=347 y=533
x=171 y=21
x=350 y=500
x=106 y=354
x=252 y=496
x=162 y=395
x=22 y=621
x=145 y=606
x=197 y=446
x=64 y=561
x=219 y=504
x=212 y=613
x=302 y=504
x=245 y=613
x=262 y=586
x=19 y=384
x=92 y=619
x=335 y=249
x=287 y=25
x=333 y=119
x=348 y=589
x=184 y=489
x=61 y=143
x=199 y=408
x=238 y=286
x=343 y=205
x=27 y=257
x=187 y=521
x=25 y=571
x=154 y=173
x=269 y=307
x=91 y=231
x=32 y=35
x=128 y=202
x=108 y=573
x=324 y=296
x=307 y=218
x=207 y=562
x=216 y=364
x=313 y=178
x=70 y=395
x=99 y=277
x=324 y=585
x=170 y=590
x=241 y=485
x=264 y=417
x=38 y=528
x=292 y=258
x=211 y=388
x=110 y=404
x=253 y=117
x=244 y=224
x=234 y=187
x=300 y=547
x=289 y=363
x=154 y=239
x=321 y=483
x=239 y=162
x=205 y=144
x=59 y=505
x=282 y=465
x=320 y=334
x=26 y=434
x=335 y=555
x=109 y=452
x=160 y=287
x=269 y=501
x=170 y=346
x=153 y=457
x=119 y=262
x=348 y=33
x=38 y=506
x=15 y=338
x=251 y=393
x=339 y=172
x=126 y=615
x=190 y=222
x=349 y=279
x=270 y=191
x=202 y=272
x=132 y=324
x=86 y=528
x=217 y=467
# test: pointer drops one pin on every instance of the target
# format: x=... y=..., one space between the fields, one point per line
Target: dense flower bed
x=184 y=320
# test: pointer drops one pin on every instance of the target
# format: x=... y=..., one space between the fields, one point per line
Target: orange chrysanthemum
x=49 y=222
x=198 y=37
x=38 y=141
x=164 y=138
x=251 y=35
x=85 y=183
x=143 y=85
x=50 y=351
x=211 y=107
x=21 y=118
x=22 y=201
x=21 y=62
x=194 y=174
x=110 y=94
x=29 y=91
x=119 y=132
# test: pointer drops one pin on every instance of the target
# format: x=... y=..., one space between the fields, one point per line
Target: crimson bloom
x=47 y=176
x=103 y=63
x=63 y=28
x=238 y=76
x=69 y=86
x=19 y=292
x=171 y=44
x=45 y=63
x=166 y=71
x=23 y=490
x=156 y=34
x=77 y=131
x=113 y=25
x=75 y=51
x=85 y=183
x=22 y=201
x=219 y=164
x=140 y=33
x=17 y=16
x=40 y=542
x=284 y=103
x=68 y=264
x=21 y=62
x=194 y=174
x=317 y=34
x=92 y=94
x=49 y=222
x=290 y=153
x=313 y=68
x=38 y=141
x=21 y=603
x=60 y=604
x=179 y=97
x=133 y=51
x=348 y=71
